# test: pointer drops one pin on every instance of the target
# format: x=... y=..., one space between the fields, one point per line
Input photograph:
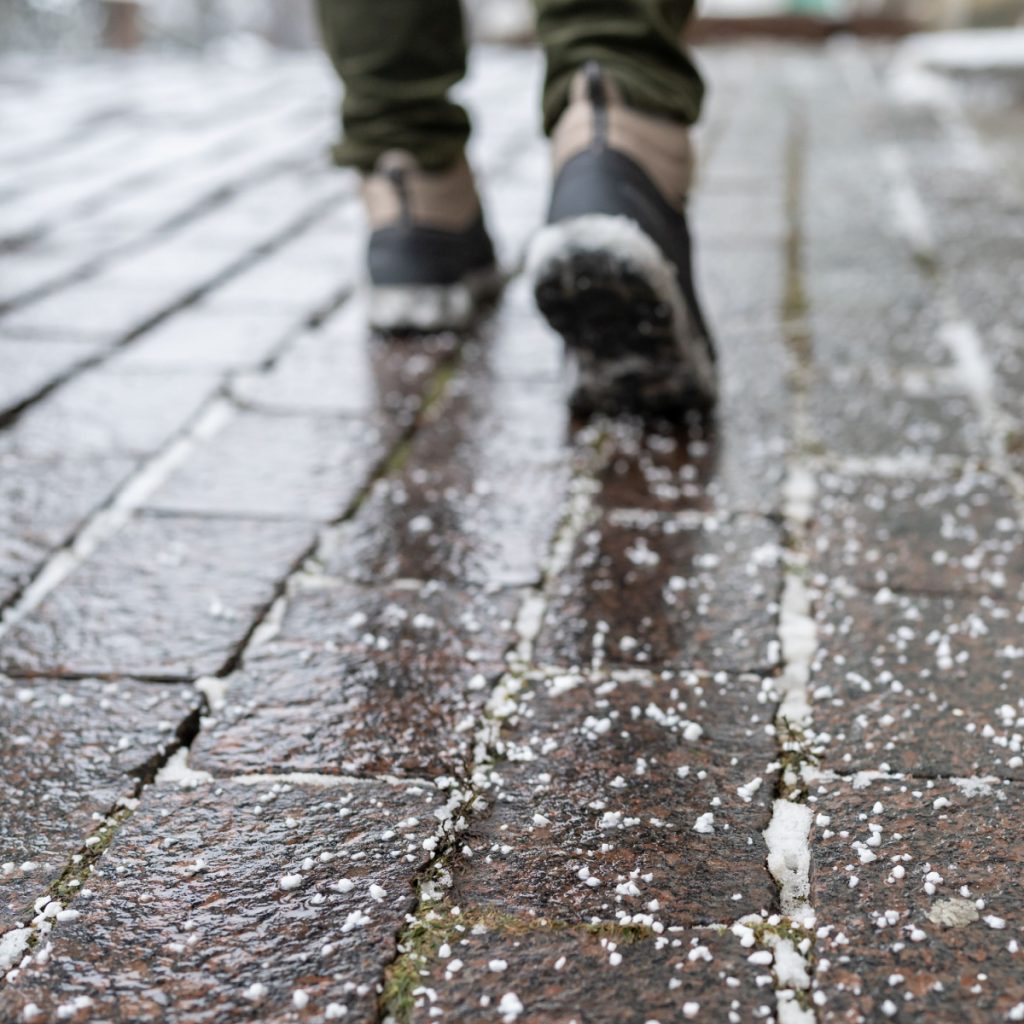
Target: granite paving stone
x=937 y=535
x=232 y=902
x=554 y=977
x=71 y=750
x=856 y=415
x=101 y=412
x=920 y=684
x=342 y=368
x=479 y=498
x=918 y=888
x=167 y=596
x=30 y=365
x=649 y=589
x=619 y=798
x=288 y=467
x=43 y=501
x=389 y=680
x=208 y=336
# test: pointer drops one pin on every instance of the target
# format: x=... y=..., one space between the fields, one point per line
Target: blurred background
x=83 y=24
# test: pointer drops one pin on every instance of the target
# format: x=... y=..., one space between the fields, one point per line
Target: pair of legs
x=611 y=269
x=399 y=58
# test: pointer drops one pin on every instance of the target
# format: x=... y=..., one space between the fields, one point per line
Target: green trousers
x=399 y=58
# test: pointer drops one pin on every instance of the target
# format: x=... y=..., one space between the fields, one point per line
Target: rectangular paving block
x=939 y=535
x=851 y=413
x=69 y=751
x=616 y=798
x=30 y=365
x=736 y=463
x=166 y=596
x=652 y=590
x=274 y=901
x=479 y=496
x=515 y=971
x=206 y=336
x=389 y=680
x=342 y=368
x=917 y=889
x=43 y=501
x=88 y=309
x=102 y=412
x=288 y=467
x=916 y=684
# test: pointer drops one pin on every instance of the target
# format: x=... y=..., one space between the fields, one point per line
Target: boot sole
x=605 y=286
x=426 y=308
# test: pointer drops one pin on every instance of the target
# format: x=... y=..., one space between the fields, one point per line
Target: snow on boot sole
x=606 y=287
x=432 y=307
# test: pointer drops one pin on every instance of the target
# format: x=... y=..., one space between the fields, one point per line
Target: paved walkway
x=345 y=680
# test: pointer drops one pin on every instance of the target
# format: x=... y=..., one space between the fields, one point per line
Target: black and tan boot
x=430 y=260
x=612 y=269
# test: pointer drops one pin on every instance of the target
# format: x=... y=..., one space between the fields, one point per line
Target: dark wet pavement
x=347 y=679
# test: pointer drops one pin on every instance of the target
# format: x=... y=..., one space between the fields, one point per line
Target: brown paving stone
x=342 y=368
x=925 y=685
x=69 y=751
x=31 y=365
x=612 y=780
x=42 y=503
x=165 y=596
x=853 y=415
x=945 y=851
x=106 y=413
x=479 y=497
x=388 y=680
x=654 y=590
x=564 y=976
x=187 y=910
x=939 y=535
x=280 y=466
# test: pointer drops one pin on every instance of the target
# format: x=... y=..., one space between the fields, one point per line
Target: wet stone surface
x=367 y=682
x=486 y=973
x=107 y=413
x=222 y=902
x=31 y=365
x=648 y=589
x=479 y=497
x=956 y=535
x=70 y=750
x=628 y=800
x=285 y=467
x=923 y=685
x=42 y=504
x=344 y=369
x=166 y=597
x=852 y=414
x=931 y=928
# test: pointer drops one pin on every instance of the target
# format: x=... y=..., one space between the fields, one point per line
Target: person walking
x=611 y=270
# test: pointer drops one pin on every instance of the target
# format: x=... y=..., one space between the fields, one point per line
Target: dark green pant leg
x=398 y=59
x=636 y=41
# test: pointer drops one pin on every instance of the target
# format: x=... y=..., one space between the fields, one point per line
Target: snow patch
x=789 y=857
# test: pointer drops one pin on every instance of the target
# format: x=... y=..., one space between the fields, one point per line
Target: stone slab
x=286 y=467
x=931 y=929
x=220 y=903
x=651 y=590
x=69 y=751
x=926 y=685
x=165 y=597
x=364 y=682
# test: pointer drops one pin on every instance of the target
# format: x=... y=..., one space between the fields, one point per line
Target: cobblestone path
x=344 y=679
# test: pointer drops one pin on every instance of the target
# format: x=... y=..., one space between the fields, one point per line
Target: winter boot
x=611 y=270
x=430 y=259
